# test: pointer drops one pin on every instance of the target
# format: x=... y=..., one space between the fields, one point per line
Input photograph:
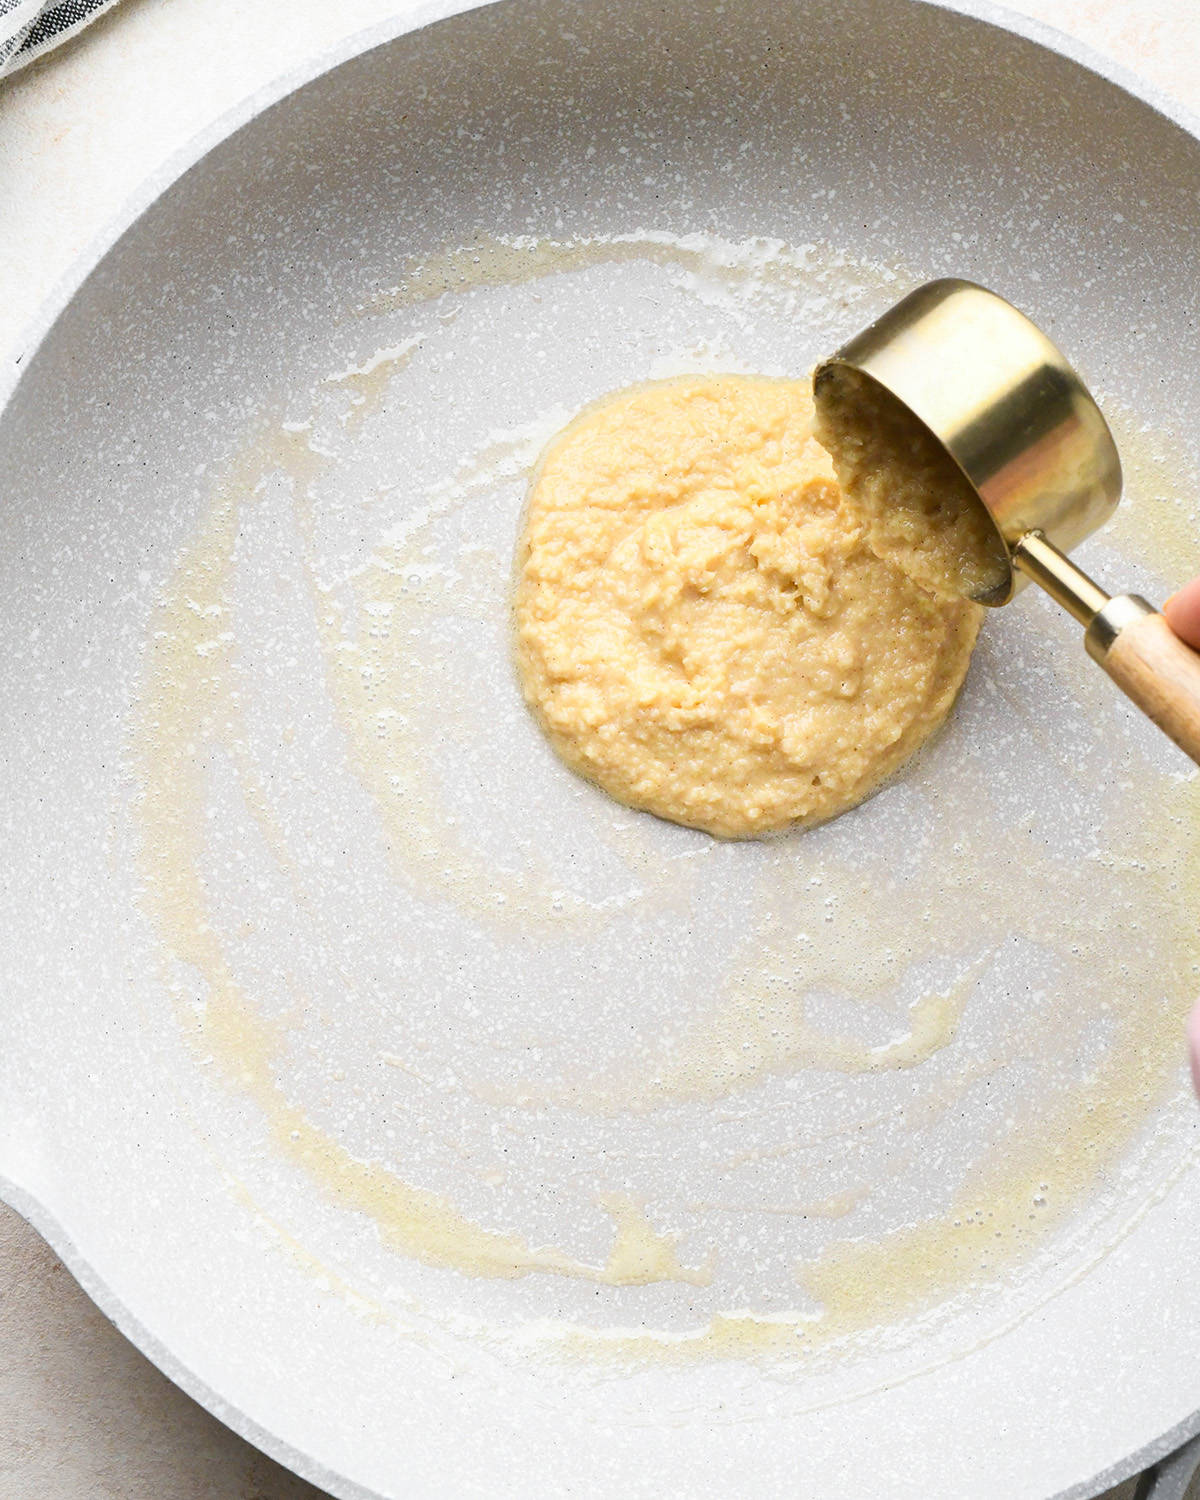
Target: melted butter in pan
x=1116 y=917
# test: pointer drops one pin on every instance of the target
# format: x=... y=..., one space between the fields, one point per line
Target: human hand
x=1182 y=611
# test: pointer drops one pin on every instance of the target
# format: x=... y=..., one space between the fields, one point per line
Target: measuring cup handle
x=1151 y=665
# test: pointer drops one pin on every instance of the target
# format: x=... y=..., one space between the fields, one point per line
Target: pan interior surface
x=451 y=1128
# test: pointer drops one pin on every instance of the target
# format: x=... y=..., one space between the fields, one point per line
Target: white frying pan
x=444 y=1128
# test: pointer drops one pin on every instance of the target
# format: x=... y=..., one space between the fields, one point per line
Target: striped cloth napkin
x=30 y=27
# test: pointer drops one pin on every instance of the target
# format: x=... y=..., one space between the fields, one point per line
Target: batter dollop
x=702 y=628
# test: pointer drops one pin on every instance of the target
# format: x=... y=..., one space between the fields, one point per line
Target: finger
x=1193 y=1030
x=1183 y=613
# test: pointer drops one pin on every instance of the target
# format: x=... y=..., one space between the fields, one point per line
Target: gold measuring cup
x=1024 y=430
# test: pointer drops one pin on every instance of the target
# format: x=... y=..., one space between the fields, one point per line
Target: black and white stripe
x=30 y=27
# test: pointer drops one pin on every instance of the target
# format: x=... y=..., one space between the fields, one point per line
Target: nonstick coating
x=649 y=187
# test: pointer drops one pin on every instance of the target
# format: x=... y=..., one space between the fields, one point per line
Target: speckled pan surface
x=446 y=1128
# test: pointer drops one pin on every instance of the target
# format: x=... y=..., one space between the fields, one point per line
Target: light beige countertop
x=83 y=1416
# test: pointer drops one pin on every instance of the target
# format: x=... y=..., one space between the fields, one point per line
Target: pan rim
x=407 y=20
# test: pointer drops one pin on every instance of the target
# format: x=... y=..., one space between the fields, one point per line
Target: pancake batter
x=702 y=629
x=918 y=508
